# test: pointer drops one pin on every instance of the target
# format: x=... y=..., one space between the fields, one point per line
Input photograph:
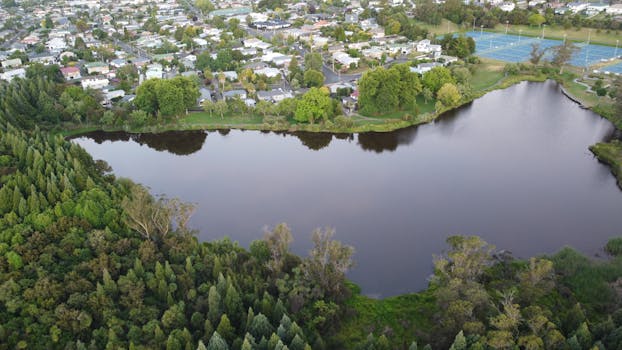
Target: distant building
x=12 y=74
x=97 y=68
x=614 y=9
x=275 y=96
x=95 y=82
x=227 y=95
x=71 y=73
x=12 y=63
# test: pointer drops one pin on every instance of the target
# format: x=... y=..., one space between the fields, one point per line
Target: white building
x=12 y=63
x=12 y=74
x=154 y=71
x=96 y=82
x=256 y=44
x=614 y=9
x=577 y=7
x=425 y=46
x=507 y=6
x=269 y=72
x=345 y=59
x=56 y=45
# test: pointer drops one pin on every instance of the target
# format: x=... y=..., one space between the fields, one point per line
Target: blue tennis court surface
x=515 y=48
x=616 y=69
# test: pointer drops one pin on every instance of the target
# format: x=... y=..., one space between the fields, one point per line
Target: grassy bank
x=610 y=153
x=406 y=318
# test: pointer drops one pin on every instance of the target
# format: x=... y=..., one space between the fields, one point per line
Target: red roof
x=67 y=70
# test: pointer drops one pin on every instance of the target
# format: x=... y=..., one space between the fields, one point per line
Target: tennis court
x=615 y=69
x=516 y=48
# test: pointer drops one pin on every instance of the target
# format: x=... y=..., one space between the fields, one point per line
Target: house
x=507 y=6
x=12 y=63
x=269 y=72
x=595 y=8
x=154 y=71
x=615 y=9
x=233 y=94
x=118 y=63
x=97 y=68
x=56 y=44
x=140 y=62
x=110 y=95
x=345 y=59
x=230 y=75
x=351 y=17
x=256 y=44
x=425 y=46
x=425 y=67
x=12 y=74
x=206 y=95
x=95 y=82
x=373 y=52
x=71 y=73
x=275 y=96
x=576 y=7
x=276 y=58
x=44 y=58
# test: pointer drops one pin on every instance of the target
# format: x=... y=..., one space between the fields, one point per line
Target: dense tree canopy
x=167 y=97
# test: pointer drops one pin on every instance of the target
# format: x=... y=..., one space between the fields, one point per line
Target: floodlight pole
x=616 y=52
x=565 y=38
x=507 y=23
x=481 y=30
x=589 y=36
x=520 y=31
x=543 y=26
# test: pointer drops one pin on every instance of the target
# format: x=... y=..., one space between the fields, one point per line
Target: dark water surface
x=513 y=167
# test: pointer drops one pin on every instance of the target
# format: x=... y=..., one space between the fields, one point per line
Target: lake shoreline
x=388 y=126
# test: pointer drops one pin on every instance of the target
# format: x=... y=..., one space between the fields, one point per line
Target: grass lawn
x=610 y=153
x=203 y=118
x=488 y=73
x=445 y=27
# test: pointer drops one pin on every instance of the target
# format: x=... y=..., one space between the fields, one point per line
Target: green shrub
x=614 y=246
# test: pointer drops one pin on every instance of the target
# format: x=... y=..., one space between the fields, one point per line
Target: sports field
x=615 y=69
x=516 y=48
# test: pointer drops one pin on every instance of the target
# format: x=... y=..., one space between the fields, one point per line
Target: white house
x=275 y=96
x=424 y=67
x=95 y=82
x=12 y=74
x=112 y=94
x=577 y=7
x=269 y=72
x=12 y=63
x=256 y=44
x=56 y=44
x=345 y=59
x=614 y=9
x=425 y=46
x=507 y=6
x=154 y=71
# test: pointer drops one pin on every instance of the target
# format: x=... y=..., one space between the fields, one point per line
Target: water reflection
x=387 y=141
x=176 y=142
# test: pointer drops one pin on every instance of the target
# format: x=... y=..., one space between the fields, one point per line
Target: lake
x=512 y=167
